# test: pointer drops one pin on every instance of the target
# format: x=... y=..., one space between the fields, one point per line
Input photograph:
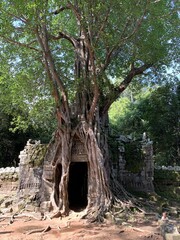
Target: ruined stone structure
x=30 y=185
x=30 y=170
x=143 y=180
x=36 y=177
x=9 y=179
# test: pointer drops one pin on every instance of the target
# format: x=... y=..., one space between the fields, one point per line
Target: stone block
x=172 y=236
x=30 y=208
x=6 y=203
x=6 y=210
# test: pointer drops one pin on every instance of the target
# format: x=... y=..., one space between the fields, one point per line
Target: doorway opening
x=77 y=186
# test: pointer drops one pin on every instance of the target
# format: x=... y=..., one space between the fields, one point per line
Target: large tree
x=82 y=47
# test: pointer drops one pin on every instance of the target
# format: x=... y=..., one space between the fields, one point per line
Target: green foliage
x=26 y=99
x=167 y=176
x=134 y=157
x=113 y=149
x=138 y=31
x=167 y=184
x=37 y=156
x=11 y=143
x=156 y=112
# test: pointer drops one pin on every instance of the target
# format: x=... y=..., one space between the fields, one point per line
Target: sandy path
x=74 y=228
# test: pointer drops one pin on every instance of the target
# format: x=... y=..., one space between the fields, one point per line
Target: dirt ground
x=75 y=228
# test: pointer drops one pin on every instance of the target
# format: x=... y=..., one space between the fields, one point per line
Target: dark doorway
x=77 y=188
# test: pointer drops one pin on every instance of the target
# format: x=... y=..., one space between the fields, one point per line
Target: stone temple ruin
x=143 y=179
x=33 y=181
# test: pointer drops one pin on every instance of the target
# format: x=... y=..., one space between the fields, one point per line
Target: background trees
x=154 y=111
x=26 y=111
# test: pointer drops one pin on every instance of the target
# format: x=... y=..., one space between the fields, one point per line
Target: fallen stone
x=6 y=203
x=172 y=236
x=6 y=210
x=30 y=208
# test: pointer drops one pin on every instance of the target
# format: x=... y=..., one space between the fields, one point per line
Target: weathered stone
x=108 y=216
x=6 y=203
x=143 y=180
x=167 y=227
x=21 y=205
x=118 y=220
x=30 y=208
x=172 y=236
x=15 y=208
x=6 y=210
x=30 y=168
x=45 y=206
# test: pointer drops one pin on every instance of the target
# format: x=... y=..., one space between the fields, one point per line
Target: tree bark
x=99 y=197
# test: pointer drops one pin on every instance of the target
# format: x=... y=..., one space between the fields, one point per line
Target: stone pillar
x=147 y=147
x=30 y=168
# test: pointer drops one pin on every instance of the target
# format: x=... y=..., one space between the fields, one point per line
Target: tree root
x=29 y=216
x=56 y=215
x=41 y=230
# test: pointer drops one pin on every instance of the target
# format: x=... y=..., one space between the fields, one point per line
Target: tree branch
x=102 y=26
x=27 y=45
x=138 y=23
x=22 y=19
x=42 y=36
x=88 y=44
x=122 y=39
x=61 y=35
x=124 y=84
x=132 y=73
x=61 y=9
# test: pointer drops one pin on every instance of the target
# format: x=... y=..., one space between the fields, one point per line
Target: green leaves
x=114 y=34
x=156 y=112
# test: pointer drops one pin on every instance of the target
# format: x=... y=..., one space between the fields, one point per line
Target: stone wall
x=143 y=179
x=31 y=168
x=168 y=168
x=9 y=179
x=34 y=177
x=27 y=178
x=167 y=183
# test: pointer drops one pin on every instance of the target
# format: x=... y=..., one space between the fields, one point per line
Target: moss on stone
x=37 y=156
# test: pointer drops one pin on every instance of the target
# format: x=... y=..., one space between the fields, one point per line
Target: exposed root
x=125 y=199
x=41 y=230
x=29 y=215
x=56 y=215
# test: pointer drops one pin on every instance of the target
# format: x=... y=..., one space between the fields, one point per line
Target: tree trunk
x=94 y=142
x=84 y=120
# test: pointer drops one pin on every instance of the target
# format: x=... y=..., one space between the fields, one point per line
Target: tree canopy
x=124 y=38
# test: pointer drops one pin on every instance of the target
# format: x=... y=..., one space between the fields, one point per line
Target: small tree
x=82 y=46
